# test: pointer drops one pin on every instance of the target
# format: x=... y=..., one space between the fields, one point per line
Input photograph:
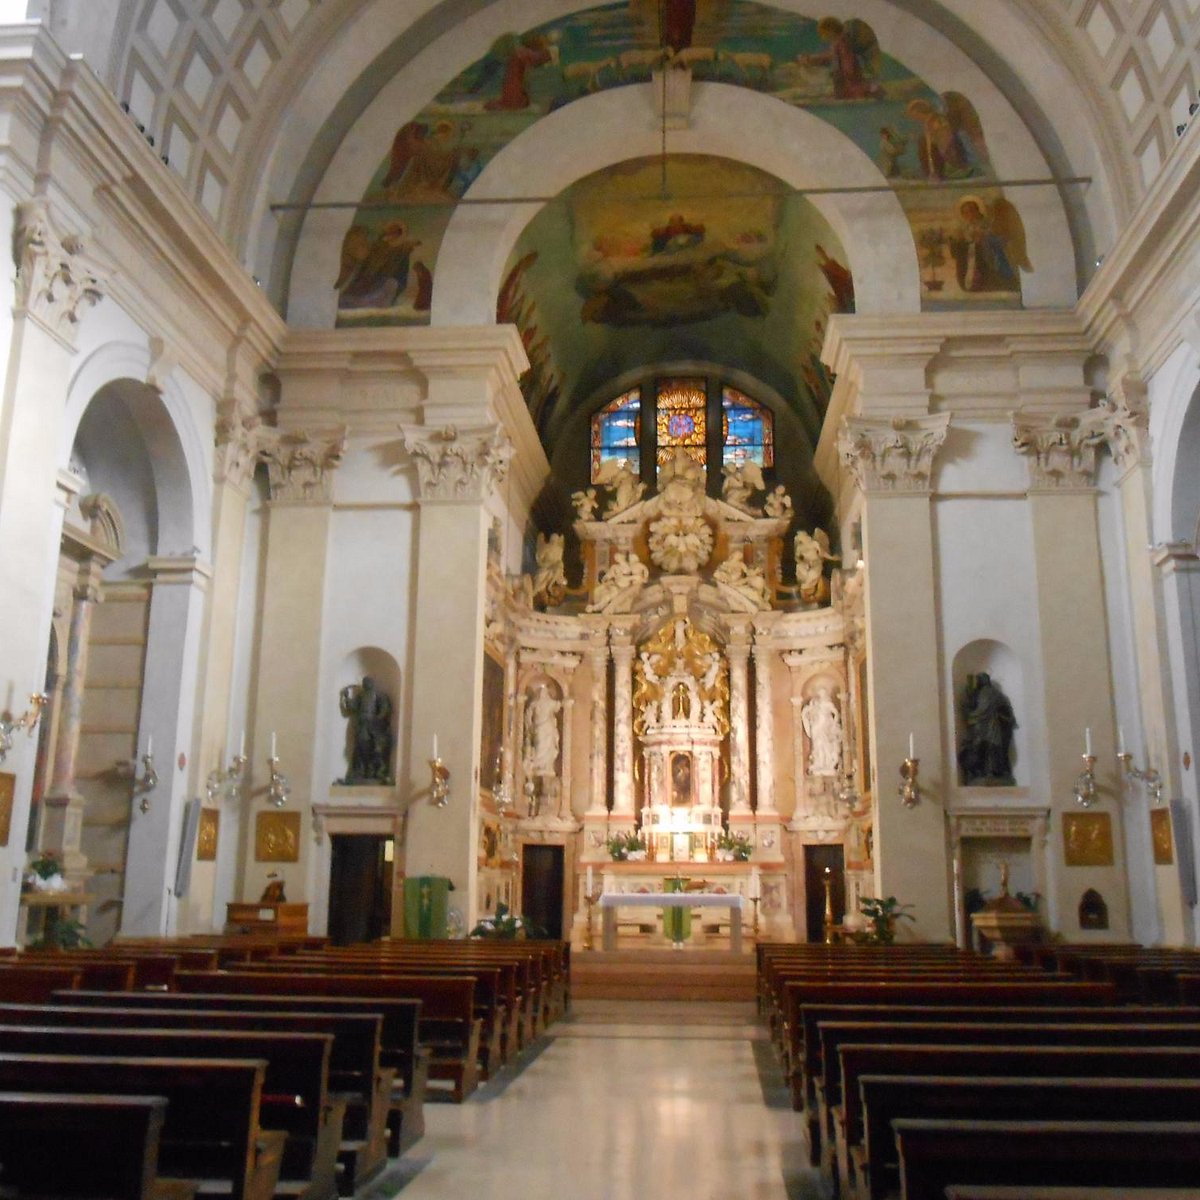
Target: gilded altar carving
x=680 y=678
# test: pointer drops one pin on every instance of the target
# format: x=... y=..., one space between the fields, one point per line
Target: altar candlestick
x=1087 y=741
x=589 y=881
x=754 y=891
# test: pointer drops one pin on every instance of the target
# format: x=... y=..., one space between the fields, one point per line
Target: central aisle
x=626 y=1101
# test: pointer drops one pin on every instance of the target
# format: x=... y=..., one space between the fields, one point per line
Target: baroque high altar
x=685 y=693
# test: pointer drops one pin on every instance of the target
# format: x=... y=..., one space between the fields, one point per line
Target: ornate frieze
x=892 y=454
x=1061 y=447
x=56 y=279
x=458 y=464
x=300 y=465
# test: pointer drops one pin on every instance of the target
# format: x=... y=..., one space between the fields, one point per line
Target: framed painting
x=492 y=732
x=8 y=786
x=277 y=837
x=1161 y=838
x=1087 y=840
x=206 y=836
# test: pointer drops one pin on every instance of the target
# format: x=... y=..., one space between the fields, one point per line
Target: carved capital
x=1127 y=428
x=237 y=435
x=892 y=454
x=1061 y=447
x=458 y=464
x=56 y=279
x=300 y=465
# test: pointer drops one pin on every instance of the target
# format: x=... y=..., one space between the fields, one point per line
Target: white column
x=622 y=653
x=738 y=651
x=764 y=729
x=598 y=757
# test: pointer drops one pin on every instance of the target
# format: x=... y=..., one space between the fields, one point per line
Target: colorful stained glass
x=615 y=430
x=748 y=433
x=680 y=418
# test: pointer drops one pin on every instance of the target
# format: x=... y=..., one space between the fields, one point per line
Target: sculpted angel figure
x=812 y=553
x=741 y=481
x=550 y=580
x=778 y=503
x=586 y=503
x=748 y=581
x=626 y=571
x=627 y=488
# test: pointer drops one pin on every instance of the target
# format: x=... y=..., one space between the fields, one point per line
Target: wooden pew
x=211 y=1130
x=295 y=1098
x=355 y=1075
x=399 y=1047
x=83 y=1147
x=887 y=1098
x=935 y=1155
x=151 y=969
x=982 y=1192
x=448 y=1025
x=34 y=985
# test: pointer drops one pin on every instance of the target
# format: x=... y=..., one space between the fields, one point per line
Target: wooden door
x=360 y=887
x=542 y=888
x=816 y=860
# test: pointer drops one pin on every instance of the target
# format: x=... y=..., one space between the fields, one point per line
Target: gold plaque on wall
x=1087 y=840
x=277 y=837
x=8 y=785
x=206 y=839
x=1160 y=836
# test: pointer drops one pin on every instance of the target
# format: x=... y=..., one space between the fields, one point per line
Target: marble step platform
x=694 y=975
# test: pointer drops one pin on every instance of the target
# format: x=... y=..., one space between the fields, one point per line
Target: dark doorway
x=816 y=860
x=542 y=888
x=360 y=887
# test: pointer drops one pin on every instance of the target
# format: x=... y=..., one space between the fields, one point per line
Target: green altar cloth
x=426 y=901
x=677 y=922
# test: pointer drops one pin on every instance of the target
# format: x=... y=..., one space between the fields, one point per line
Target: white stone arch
x=180 y=459
x=1175 y=441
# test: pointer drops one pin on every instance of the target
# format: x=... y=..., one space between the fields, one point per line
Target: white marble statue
x=748 y=581
x=586 y=503
x=812 y=553
x=550 y=579
x=822 y=722
x=681 y=484
x=680 y=544
x=541 y=734
x=627 y=488
x=778 y=503
x=741 y=481
x=626 y=571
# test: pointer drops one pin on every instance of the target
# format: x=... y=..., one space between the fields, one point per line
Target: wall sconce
x=910 y=768
x=148 y=781
x=1086 y=793
x=439 y=788
x=844 y=790
x=27 y=721
x=501 y=792
x=278 y=790
x=228 y=782
x=1148 y=775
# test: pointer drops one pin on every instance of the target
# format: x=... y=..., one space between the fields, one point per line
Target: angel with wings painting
x=853 y=58
x=988 y=246
x=951 y=144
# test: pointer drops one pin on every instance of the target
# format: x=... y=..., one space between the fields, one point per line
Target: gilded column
x=622 y=653
x=738 y=651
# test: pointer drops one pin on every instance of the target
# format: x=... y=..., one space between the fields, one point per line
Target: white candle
x=755 y=889
x=912 y=746
x=273 y=754
x=1120 y=740
x=149 y=745
x=435 y=753
x=1087 y=741
x=242 y=745
x=589 y=881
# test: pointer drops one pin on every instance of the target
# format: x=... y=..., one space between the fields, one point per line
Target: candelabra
x=589 y=934
x=910 y=787
x=148 y=781
x=1147 y=775
x=439 y=788
x=1086 y=793
x=27 y=721
x=755 y=900
x=829 y=938
x=845 y=791
x=501 y=792
x=227 y=782
x=279 y=789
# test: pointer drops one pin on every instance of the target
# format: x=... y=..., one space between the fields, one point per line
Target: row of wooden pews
x=1141 y=974
x=921 y=1068
x=257 y=1068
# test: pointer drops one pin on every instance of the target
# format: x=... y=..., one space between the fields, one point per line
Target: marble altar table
x=611 y=901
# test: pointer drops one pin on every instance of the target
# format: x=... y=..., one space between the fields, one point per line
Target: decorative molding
x=56 y=279
x=1061 y=446
x=458 y=465
x=300 y=466
x=892 y=454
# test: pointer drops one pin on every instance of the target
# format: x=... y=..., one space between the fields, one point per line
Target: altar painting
x=836 y=68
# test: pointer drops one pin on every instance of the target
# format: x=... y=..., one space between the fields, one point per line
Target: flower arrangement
x=734 y=847
x=623 y=847
x=503 y=926
x=44 y=874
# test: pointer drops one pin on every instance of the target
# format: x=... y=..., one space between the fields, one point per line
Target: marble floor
x=626 y=1100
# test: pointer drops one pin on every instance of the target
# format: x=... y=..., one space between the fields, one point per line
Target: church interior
x=478 y=463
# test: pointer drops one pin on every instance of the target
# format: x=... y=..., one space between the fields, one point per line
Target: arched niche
x=362 y=662
x=1003 y=665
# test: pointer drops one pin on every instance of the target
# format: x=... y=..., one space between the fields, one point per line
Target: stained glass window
x=680 y=418
x=615 y=432
x=748 y=432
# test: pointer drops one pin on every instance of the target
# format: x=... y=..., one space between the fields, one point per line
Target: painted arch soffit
x=970 y=240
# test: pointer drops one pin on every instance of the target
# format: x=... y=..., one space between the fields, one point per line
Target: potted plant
x=44 y=874
x=624 y=847
x=734 y=847
x=883 y=913
x=503 y=926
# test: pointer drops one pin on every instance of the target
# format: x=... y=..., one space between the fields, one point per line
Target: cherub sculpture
x=586 y=503
x=549 y=580
x=617 y=475
x=625 y=572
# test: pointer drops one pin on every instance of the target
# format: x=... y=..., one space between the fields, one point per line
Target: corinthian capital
x=1061 y=447
x=1127 y=428
x=300 y=465
x=238 y=434
x=55 y=277
x=456 y=464
x=892 y=454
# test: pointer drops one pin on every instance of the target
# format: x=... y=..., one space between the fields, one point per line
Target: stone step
x=663 y=975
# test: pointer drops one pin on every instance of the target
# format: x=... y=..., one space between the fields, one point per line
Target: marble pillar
x=598 y=756
x=623 y=797
x=738 y=651
x=764 y=730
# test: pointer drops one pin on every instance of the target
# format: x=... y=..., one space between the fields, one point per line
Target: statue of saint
x=541 y=734
x=823 y=724
x=370 y=714
x=986 y=751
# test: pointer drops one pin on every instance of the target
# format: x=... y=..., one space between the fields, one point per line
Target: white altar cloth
x=611 y=901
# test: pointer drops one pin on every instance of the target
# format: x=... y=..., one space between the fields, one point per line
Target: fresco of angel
x=374 y=270
x=951 y=143
x=506 y=66
x=853 y=58
x=988 y=246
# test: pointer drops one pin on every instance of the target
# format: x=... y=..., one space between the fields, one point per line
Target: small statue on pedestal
x=370 y=715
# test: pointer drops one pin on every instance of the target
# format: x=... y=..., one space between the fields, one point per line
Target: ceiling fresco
x=971 y=241
x=731 y=268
